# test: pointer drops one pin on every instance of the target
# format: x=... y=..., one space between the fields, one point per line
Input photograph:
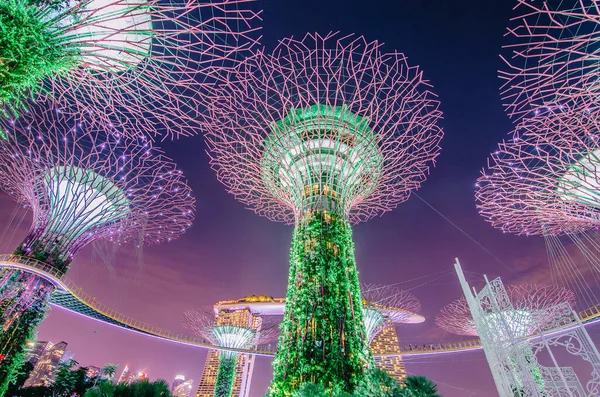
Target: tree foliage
x=66 y=379
x=29 y=50
x=376 y=383
x=225 y=376
x=323 y=339
x=139 y=388
x=420 y=386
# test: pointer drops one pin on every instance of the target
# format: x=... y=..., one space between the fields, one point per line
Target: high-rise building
x=385 y=343
x=245 y=364
x=179 y=379
x=44 y=372
x=128 y=376
x=183 y=389
x=68 y=356
x=36 y=349
x=93 y=372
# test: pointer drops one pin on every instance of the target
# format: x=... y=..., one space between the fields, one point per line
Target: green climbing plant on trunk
x=322 y=334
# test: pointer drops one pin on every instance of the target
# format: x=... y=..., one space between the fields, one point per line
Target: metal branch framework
x=545 y=180
x=85 y=183
x=554 y=58
x=204 y=323
x=526 y=299
x=324 y=131
x=325 y=117
x=384 y=306
x=139 y=65
x=82 y=183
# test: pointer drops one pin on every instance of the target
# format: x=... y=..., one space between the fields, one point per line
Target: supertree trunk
x=323 y=338
x=225 y=375
x=22 y=308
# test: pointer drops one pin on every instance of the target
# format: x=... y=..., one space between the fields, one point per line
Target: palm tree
x=420 y=386
x=104 y=388
x=66 y=378
x=378 y=383
x=109 y=370
x=143 y=388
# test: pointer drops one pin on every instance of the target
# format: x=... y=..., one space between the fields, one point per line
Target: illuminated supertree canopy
x=384 y=306
x=221 y=331
x=82 y=184
x=526 y=300
x=322 y=132
x=554 y=56
x=545 y=180
x=135 y=64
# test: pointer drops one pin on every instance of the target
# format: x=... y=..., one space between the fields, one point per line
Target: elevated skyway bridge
x=72 y=298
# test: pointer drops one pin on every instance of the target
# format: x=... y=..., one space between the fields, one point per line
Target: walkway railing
x=439 y=347
x=63 y=283
x=58 y=279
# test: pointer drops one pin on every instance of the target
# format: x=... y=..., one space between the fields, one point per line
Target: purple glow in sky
x=229 y=252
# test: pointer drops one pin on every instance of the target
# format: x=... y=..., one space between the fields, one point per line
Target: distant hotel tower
x=44 y=371
x=243 y=313
x=386 y=343
x=36 y=349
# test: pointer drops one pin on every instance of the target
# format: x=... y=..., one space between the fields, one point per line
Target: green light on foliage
x=324 y=149
x=225 y=376
x=3 y=136
x=323 y=338
x=29 y=51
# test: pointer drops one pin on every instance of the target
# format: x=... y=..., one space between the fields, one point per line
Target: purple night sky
x=230 y=252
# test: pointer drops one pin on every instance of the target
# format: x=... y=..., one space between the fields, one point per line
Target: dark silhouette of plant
x=378 y=383
x=19 y=381
x=420 y=386
x=66 y=379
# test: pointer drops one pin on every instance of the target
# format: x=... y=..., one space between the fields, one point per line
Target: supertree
x=386 y=305
x=545 y=180
x=82 y=184
x=526 y=299
x=554 y=57
x=322 y=132
x=236 y=333
x=134 y=64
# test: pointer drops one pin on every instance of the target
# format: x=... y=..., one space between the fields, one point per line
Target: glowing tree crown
x=135 y=64
x=526 y=299
x=545 y=180
x=554 y=58
x=385 y=305
x=324 y=123
x=84 y=183
x=203 y=322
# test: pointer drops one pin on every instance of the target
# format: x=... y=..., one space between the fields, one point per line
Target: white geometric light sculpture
x=513 y=357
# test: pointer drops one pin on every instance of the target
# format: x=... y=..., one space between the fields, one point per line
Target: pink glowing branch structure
x=226 y=331
x=394 y=303
x=384 y=306
x=554 y=57
x=545 y=180
x=527 y=299
x=143 y=64
x=85 y=183
x=365 y=124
